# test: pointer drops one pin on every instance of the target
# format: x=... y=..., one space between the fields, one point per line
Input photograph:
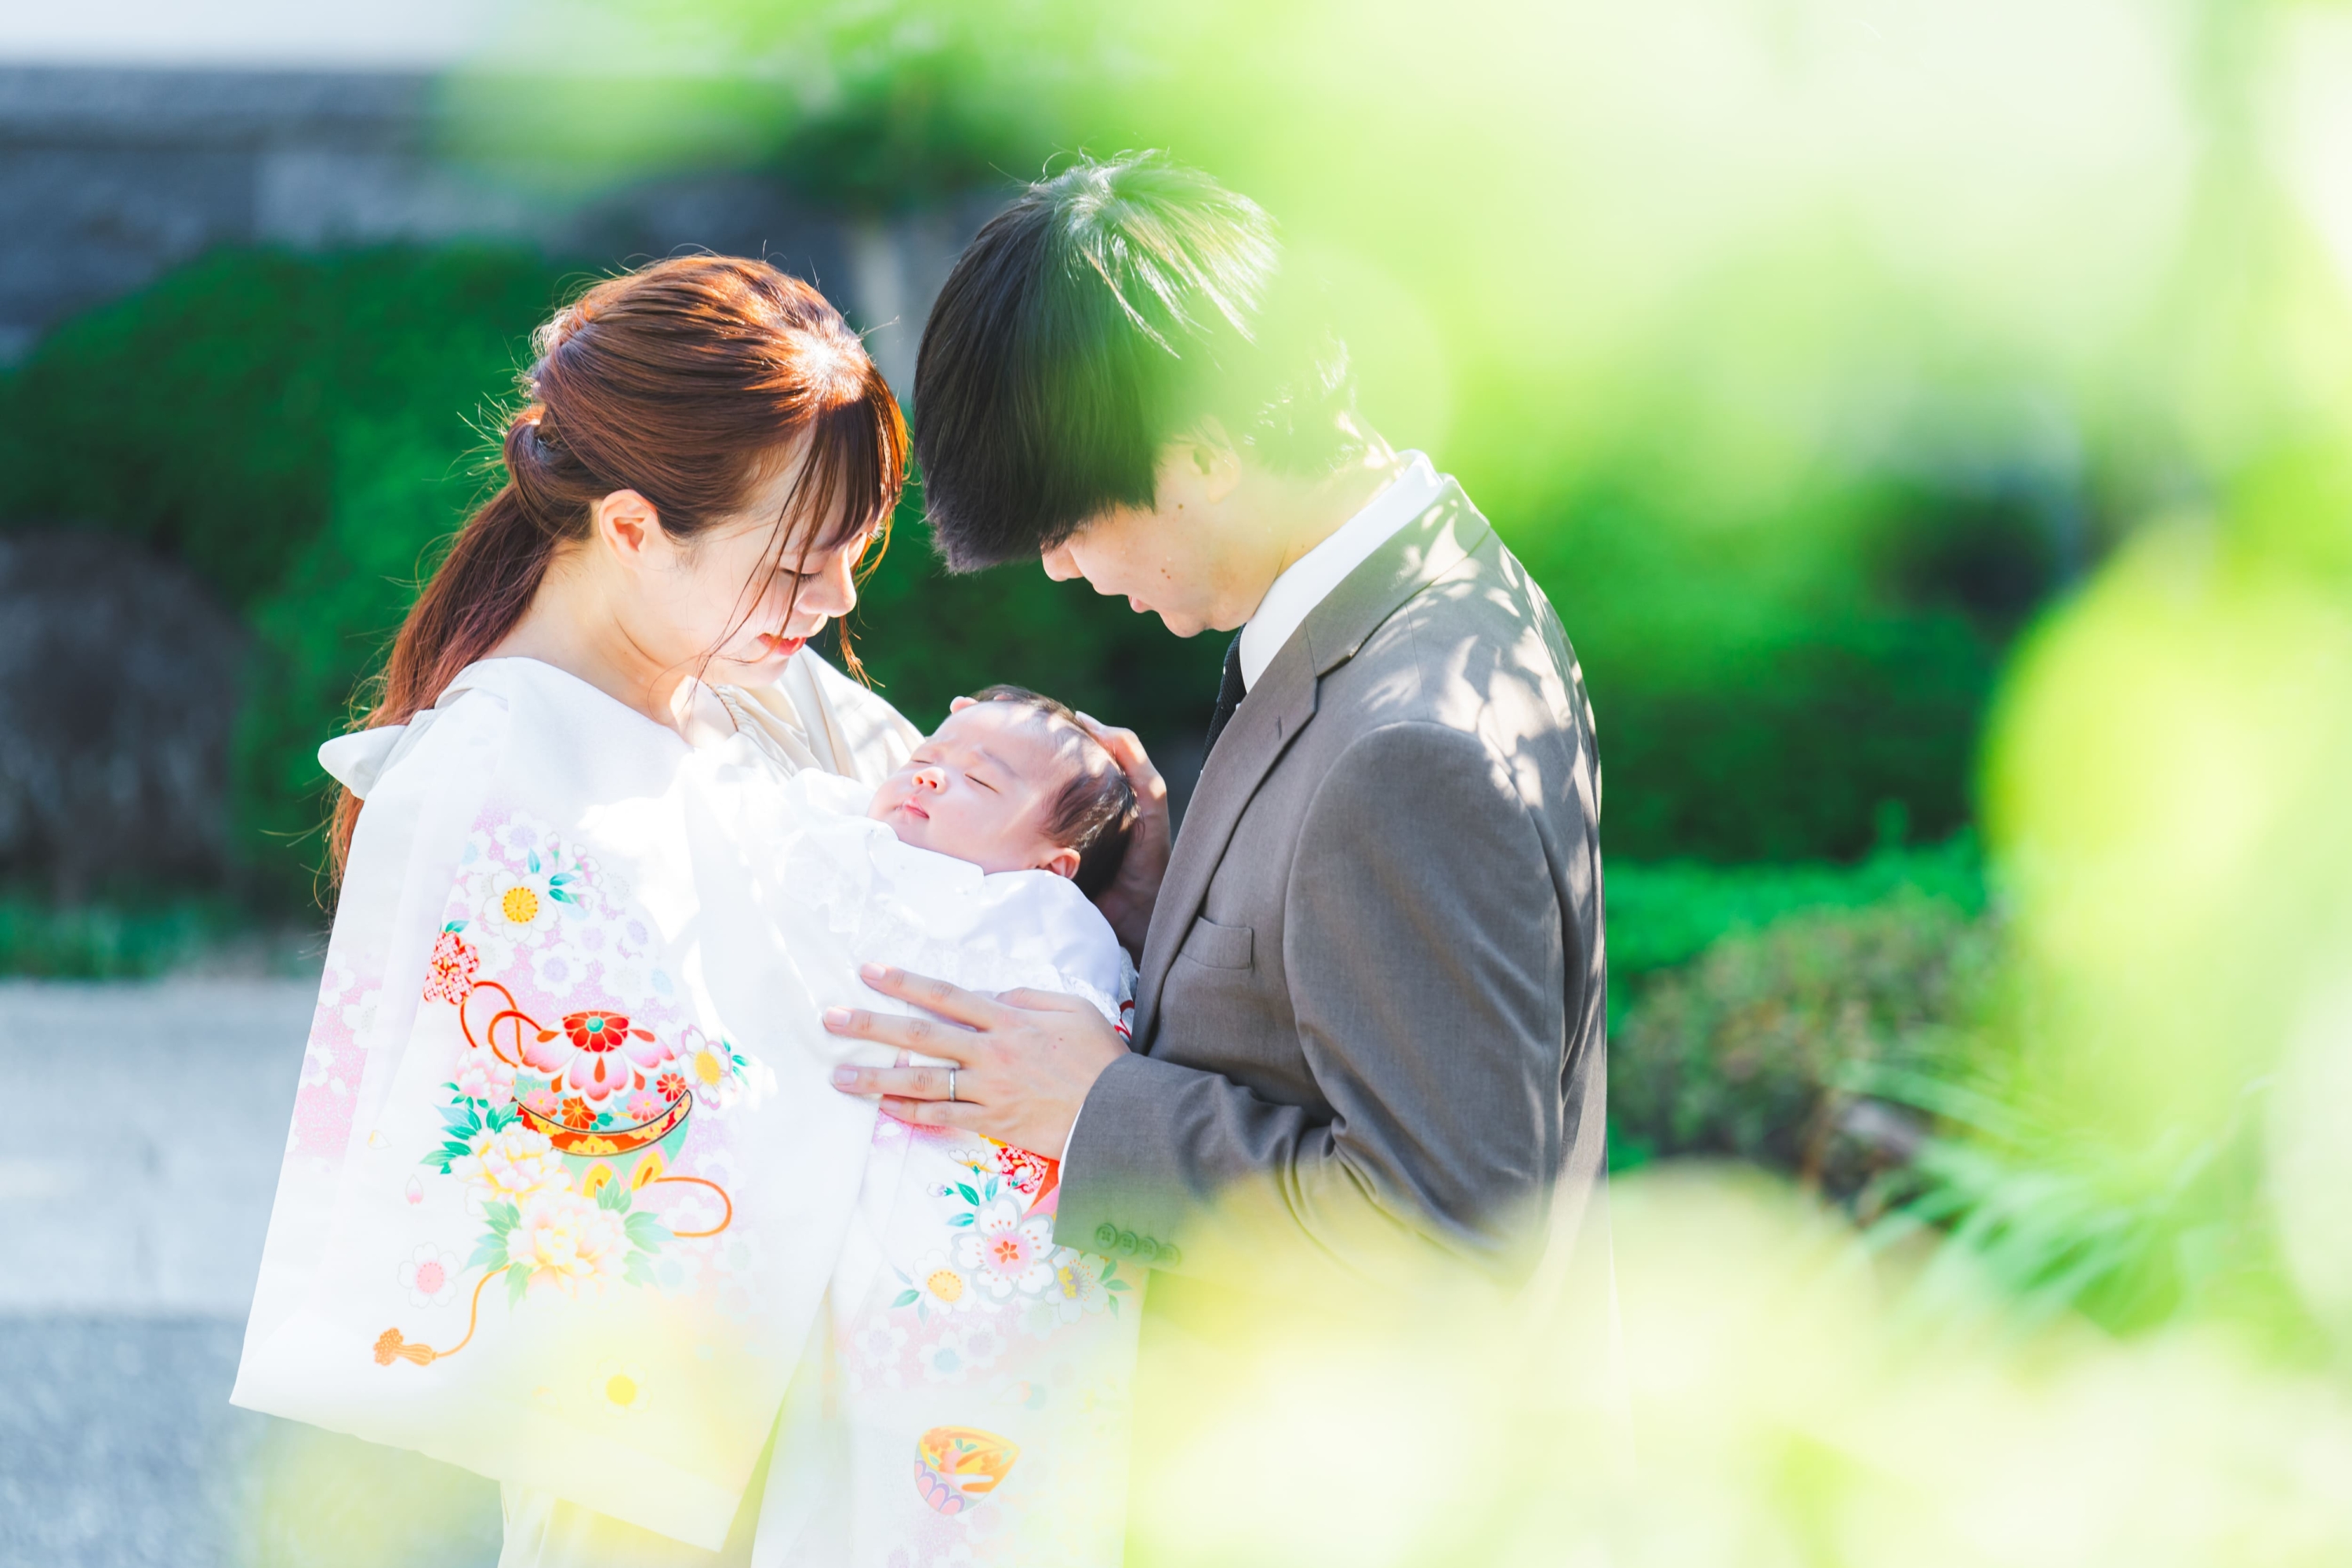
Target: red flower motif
x=449 y=972
x=576 y=1114
x=599 y=1031
x=1024 y=1172
x=672 y=1087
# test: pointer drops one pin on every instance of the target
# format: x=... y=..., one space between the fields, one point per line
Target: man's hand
x=1024 y=1061
x=1127 y=903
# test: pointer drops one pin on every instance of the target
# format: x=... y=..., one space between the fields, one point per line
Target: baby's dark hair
x=1096 y=809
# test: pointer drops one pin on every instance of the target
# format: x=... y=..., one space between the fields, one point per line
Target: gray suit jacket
x=1372 y=1002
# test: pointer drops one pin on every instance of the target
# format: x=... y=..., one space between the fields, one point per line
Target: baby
x=1011 y=782
x=982 y=1371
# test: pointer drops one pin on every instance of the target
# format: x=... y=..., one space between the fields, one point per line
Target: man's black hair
x=1108 y=310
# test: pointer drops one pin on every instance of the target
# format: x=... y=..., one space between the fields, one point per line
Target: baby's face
x=979 y=788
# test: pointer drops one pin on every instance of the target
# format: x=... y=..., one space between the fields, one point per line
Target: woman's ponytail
x=474 y=598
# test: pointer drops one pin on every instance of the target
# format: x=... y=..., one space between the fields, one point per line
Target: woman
x=524 y=946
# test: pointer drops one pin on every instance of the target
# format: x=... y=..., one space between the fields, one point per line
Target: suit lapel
x=1261 y=729
x=1277 y=708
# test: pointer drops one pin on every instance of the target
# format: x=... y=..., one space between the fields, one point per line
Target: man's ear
x=628 y=525
x=1212 y=459
x=1062 y=862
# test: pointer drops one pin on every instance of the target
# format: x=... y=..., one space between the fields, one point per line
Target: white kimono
x=568 y=1186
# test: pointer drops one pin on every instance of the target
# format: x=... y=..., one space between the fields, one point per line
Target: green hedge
x=303 y=429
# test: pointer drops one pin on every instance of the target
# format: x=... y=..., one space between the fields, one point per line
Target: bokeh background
x=1933 y=423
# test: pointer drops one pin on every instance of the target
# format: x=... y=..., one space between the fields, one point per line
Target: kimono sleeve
x=410 y=836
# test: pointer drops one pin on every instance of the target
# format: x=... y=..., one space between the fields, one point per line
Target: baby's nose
x=932 y=779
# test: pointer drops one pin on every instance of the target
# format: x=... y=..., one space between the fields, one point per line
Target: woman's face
x=743 y=596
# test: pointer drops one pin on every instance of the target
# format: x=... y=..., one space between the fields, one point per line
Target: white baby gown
x=975 y=1407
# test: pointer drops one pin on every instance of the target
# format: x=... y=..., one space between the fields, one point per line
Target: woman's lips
x=774 y=647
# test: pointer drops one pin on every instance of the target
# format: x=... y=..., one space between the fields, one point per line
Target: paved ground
x=144 y=1128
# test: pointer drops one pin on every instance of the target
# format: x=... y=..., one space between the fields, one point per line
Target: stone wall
x=108 y=178
x=119 y=687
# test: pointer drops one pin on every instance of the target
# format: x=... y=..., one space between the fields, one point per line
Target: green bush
x=1665 y=913
x=1764 y=1049
x=1772 y=678
x=207 y=414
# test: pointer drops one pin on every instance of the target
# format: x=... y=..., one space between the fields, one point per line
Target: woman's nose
x=832 y=591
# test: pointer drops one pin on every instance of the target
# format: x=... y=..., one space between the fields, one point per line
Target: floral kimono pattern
x=983 y=1372
x=567 y=1134
x=566 y=1178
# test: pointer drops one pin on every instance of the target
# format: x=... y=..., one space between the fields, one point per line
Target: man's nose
x=1060 y=564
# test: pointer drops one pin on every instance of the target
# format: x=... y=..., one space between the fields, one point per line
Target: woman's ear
x=1062 y=862
x=628 y=525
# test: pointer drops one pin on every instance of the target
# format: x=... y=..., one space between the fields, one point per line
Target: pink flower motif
x=597 y=1053
x=544 y=1100
x=449 y=972
x=481 y=1075
x=1007 y=1250
x=429 y=1276
x=645 y=1105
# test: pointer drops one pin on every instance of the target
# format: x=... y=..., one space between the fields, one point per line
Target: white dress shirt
x=1308 y=580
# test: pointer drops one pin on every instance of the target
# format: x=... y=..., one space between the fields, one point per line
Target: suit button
x=1170 y=1258
x=1127 y=1242
x=1146 y=1248
x=1106 y=1236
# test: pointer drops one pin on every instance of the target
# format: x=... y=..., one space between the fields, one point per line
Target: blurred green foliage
x=132 y=939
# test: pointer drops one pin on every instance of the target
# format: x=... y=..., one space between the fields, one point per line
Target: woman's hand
x=1024 y=1061
x=1127 y=903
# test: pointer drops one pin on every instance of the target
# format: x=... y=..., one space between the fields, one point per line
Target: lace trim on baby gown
x=924 y=912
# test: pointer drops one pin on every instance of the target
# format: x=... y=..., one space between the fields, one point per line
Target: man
x=1371 y=1016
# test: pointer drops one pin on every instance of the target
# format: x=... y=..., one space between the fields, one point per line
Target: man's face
x=978 y=789
x=1190 y=558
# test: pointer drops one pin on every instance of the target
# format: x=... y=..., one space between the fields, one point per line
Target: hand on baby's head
x=1013 y=782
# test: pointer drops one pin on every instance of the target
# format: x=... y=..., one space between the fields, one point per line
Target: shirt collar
x=1308 y=580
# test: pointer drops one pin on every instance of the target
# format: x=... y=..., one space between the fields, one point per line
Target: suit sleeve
x=1425 y=960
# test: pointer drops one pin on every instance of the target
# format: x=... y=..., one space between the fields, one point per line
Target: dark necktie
x=1230 y=692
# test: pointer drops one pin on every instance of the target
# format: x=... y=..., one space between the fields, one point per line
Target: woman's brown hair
x=680 y=380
